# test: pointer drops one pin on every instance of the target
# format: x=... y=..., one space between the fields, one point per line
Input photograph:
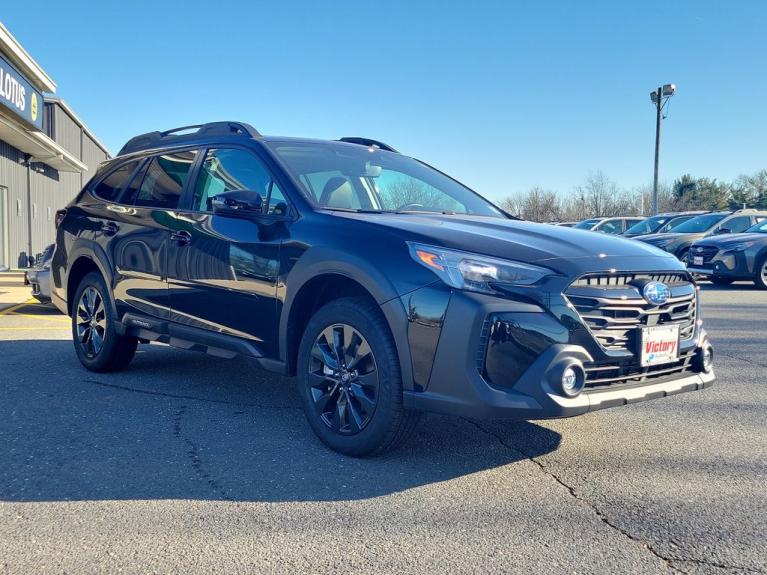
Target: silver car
x=39 y=276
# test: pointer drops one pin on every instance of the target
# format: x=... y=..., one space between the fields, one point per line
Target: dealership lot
x=186 y=463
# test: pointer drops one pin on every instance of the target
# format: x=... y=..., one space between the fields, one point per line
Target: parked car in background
x=614 y=226
x=679 y=240
x=39 y=276
x=659 y=223
x=724 y=259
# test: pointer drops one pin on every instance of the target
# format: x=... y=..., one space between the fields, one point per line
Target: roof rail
x=368 y=142
x=174 y=137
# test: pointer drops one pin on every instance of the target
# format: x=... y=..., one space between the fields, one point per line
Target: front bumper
x=716 y=267
x=527 y=366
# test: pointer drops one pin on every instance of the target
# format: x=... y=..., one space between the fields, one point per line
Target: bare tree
x=536 y=205
x=410 y=192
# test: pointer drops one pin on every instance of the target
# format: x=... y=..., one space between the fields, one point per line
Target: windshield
x=587 y=224
x=647 y=226
x=344 y=176
x=699 y=224
x=760 y=228
x=673 y=224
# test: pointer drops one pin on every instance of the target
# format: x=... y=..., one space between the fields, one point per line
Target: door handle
x=182 y=238
x=110 y=228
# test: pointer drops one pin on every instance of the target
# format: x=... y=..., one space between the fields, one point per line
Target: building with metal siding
x=47 y=154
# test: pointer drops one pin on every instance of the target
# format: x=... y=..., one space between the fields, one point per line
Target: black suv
x=388 y=287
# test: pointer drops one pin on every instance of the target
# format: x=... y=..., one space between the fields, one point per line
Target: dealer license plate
x=660 y=344
x=697 y=260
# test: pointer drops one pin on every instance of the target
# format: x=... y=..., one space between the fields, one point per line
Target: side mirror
x=724 y=231
x=239 y=203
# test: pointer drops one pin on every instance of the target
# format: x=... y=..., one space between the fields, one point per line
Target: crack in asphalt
x=193 y=453
x=571 y=490
x=746 y=360
x=668 y=560
x=719 y=565
x=188 y=397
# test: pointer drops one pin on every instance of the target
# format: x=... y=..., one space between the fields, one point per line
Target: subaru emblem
x=699 y=249
x=656 y=293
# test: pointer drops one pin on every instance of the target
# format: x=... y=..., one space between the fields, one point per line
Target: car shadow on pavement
x=181 y=425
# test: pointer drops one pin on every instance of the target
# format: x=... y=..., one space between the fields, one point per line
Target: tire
x=682 y=255
x=721 y=281
x=760 y=273
x=98 y=345
x=353 y=400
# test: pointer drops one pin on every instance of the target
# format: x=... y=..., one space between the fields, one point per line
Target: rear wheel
x=98 y=345
x=350 y=380
x=721 y=281
x=760 y=276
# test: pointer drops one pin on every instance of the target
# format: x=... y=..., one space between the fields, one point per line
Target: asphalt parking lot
x=186 y=463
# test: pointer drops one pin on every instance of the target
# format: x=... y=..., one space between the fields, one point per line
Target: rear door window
x=610 y=227
x=109 y=188
x=165 y=179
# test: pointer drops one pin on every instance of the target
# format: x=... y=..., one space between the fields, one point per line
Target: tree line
x=599 y=196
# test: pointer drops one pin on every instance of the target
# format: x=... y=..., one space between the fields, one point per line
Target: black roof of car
x=196 y=133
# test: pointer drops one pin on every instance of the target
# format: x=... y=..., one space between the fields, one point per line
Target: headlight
x=738 y=247
x=663 y=243
x=474 y=272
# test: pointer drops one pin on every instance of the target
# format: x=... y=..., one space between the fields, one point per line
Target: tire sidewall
x=351 y=312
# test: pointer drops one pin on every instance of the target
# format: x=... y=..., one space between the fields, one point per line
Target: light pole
x=659 y=98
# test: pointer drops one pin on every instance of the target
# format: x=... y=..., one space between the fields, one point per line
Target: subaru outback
x=387 y=287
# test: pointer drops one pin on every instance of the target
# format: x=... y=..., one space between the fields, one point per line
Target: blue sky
x=501 y=95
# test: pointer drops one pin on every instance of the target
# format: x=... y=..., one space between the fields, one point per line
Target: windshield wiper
x=352 y=210
x=423 y=212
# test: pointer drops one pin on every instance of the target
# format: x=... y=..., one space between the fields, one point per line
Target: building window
x=49 y=121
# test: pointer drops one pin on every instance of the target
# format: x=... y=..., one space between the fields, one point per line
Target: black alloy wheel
x=91 y=322
x=350 y=381
x=98 y=343
x=343 y=379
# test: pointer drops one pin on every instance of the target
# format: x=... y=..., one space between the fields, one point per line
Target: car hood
x=731 y=239
x=564 y=249
x=655 y=238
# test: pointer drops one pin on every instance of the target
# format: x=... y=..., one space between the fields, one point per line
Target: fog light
x=572 y=381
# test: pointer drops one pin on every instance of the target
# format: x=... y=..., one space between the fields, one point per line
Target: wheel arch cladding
x=87 y=257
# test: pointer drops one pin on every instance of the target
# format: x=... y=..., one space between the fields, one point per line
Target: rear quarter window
x=109 y=187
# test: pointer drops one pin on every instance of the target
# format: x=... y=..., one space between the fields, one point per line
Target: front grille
x=668 y=278
x=609 y=375
x=706 y=252
x=614 y=309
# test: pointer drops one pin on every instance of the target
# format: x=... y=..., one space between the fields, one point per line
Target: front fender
x=320 y=261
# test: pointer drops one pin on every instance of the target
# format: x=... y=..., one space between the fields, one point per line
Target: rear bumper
x=518 y=375
x=40 y=280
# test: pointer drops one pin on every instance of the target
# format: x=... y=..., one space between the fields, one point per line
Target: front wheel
x=98 y=345
x=760 y=276
x=350 y=380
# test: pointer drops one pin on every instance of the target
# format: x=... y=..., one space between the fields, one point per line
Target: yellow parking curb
x=40 y=317
x=30 y=328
